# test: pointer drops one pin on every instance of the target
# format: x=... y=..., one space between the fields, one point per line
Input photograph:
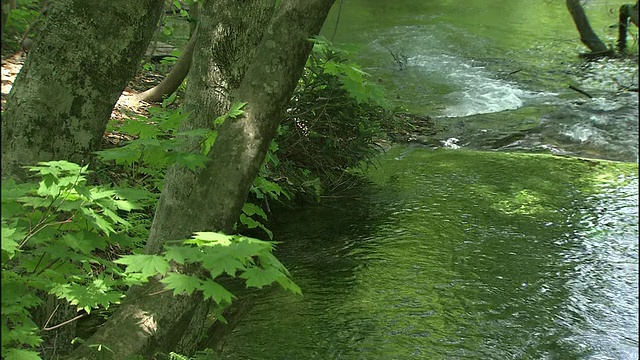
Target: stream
x=478 y=242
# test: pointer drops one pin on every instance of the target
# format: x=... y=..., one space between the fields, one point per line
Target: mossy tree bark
x=211 y=199
x=587 y=35
x=62 y=98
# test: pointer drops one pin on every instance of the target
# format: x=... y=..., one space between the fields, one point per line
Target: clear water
x=456 y=254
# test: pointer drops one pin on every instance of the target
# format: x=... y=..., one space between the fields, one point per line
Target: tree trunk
x=175 y=77
x=194 y=17
x=62 y=98
x=587 y=35
x=625 y=13
x=150 y=320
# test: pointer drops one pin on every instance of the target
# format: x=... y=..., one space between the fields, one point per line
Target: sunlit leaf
x=181 y=283
x=213 y=290
x=147 y=265
x=258 y=277
x=210 y=238
x=236 y=109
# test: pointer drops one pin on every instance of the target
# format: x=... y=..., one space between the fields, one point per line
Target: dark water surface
x=456 y=254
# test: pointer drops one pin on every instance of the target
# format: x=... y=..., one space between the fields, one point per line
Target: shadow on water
x=453 y=254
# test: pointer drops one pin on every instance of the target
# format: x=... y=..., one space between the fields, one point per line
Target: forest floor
x=124 y=109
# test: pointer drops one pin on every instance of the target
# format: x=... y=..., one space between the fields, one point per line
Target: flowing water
x=485 y=68
x=466 y=254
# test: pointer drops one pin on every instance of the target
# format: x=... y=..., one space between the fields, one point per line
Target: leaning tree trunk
x=633 y=14
x=151 y=319
x=587 y=35
x=175 y=77
x=180 y=70
x=62 y=99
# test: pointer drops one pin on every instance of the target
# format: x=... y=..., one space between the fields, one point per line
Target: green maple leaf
x=247 y=247
x=253 y=209
x=236 y=109
x=9 y=237
x=218 y=260
x=215 y=291
x=182 y=254
x=146 y=265
x=88 y=296
x=19 y=354
x=209 y=239
x=286 y=283
x=77 y=241
x=181 y=283
x=258 y=277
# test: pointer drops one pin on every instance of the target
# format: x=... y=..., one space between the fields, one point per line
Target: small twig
x=515 y=72
x=400 y=58
x=50 y=316
x=64 y=323
x=580 y=91
x=158 y=292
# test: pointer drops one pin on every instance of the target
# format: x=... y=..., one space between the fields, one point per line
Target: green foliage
x=54 y=233
x=51 y=233
x=333 y=120
x=327 y=59
x=218 y=254
x=156 y=146
x=26 y=19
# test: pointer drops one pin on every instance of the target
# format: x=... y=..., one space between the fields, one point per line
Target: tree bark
x=587 y=35
x=211 y=199
x=62 y=98
x=228 y=37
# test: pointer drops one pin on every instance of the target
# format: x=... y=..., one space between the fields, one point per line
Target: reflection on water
x=452 y=255
x=605 y=268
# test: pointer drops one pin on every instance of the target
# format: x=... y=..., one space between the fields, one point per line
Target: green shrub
x=333 y=121
x=51 y=231
x=28 y=16
x=54 y=233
